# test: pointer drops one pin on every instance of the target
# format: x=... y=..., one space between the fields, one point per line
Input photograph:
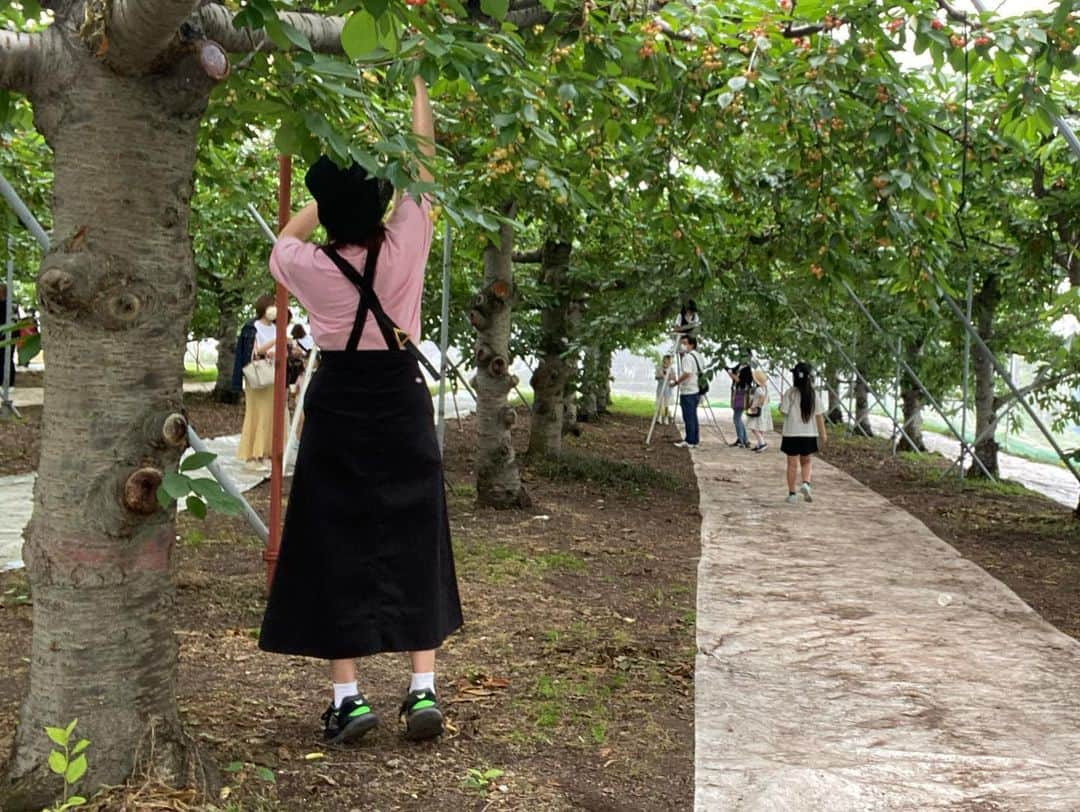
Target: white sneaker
x=682 y=444
x=805 y=491
x=792 y=499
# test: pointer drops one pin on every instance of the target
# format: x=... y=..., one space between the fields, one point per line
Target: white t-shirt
x=791 y=406
x=691 y=364
x=264 y=332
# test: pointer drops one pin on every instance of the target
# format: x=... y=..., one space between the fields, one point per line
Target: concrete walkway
x=848 y=659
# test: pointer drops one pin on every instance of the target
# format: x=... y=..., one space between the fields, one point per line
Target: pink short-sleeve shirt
x=331 y=300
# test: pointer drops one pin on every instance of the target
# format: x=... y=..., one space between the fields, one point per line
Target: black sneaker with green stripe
x=423 y=719
x=350 y=722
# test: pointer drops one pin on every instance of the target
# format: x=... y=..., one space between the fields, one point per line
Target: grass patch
x=631 y=406
x=192 y=375
x=572 y=466
x=498 y=563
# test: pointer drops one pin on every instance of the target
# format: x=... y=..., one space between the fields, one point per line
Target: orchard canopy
x=598 y=164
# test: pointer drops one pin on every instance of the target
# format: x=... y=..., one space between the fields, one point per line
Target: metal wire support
x=918 y=382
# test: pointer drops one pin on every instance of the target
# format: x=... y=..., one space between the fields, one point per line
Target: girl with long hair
x=804 y=426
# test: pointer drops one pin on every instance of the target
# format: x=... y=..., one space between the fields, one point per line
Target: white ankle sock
x=422 y=682
x=343 y=690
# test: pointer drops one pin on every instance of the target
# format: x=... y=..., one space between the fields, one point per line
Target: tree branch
x=19 y=57
x=136 y=32
x=322 y=31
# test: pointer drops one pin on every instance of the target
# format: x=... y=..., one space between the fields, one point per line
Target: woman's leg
x=792 y=470
x=423 y=662
x=805 y=461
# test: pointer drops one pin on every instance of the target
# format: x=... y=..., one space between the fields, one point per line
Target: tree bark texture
x=498 y=478
x=116 y=294
x=552 y=374
x=836 y=411
x=911 y=403
x=862 y=406
x=226 y=348
x=984 y=308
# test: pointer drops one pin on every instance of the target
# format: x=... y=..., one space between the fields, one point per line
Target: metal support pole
x=23 y=213
x=444 y=336
x=1012 y=386
x=918 y=382
x=292 y=444
x=266 y=230
x=6 y=406
x=228 y=485
x=967 y=376
x=898 y=430
x=277 y=441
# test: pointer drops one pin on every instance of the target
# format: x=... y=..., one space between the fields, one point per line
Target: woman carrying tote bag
x=256 y=436
x=365 y=564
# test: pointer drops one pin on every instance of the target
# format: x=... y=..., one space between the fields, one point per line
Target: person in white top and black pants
x=804 y=424
x=689 y=391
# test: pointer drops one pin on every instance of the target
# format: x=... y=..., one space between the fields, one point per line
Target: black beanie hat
x=351 y=204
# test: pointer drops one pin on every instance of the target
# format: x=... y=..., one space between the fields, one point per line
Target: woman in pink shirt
x=365 y=564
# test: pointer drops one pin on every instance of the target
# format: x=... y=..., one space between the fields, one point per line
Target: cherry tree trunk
x=116 y=294
x=984 y=307
x=911 y=404
x=226 y=349
x=552 y=374
x=862 y=406
x=836 y=411
x=498 y=478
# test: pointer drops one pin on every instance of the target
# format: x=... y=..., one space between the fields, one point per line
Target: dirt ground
x=570 y=687
x=20 y=441
x=1025 y=540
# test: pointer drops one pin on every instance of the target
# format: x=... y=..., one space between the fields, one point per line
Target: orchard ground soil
x=570 y=687
x=1022 y=538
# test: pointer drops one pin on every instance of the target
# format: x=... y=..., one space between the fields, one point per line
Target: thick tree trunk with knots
x=117 y=288
x=498 y=478
x=552 y=374
x=117 y=89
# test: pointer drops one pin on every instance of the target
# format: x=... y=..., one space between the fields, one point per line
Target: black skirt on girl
x=365 y=564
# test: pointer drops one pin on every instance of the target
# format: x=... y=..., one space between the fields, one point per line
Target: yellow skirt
x=256 y=438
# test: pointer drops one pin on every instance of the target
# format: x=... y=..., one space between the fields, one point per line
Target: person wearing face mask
x=689 y=390
x=257 y=434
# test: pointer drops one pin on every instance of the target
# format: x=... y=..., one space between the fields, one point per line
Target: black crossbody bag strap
x=395 y=337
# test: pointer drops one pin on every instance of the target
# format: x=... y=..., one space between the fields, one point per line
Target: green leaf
x=163 y=498
x=29 y=349
x=296 y=36
x=200 y=459
x=266 y=775
x=376 y=8
x=196 y=506
x=387 y=29
x=233 y=767
x=359 y=36
x=57 y=763
x=287 y=139
x=58 y=735
x=75 y=770
x=81 y=745
x=495 y=8
x=76 y=800
x=176 y=485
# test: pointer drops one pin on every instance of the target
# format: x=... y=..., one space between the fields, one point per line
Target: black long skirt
x=365 y=564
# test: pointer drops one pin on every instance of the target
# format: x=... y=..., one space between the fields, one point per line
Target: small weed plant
x=69 y=763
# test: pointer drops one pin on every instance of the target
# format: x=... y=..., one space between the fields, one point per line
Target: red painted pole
x=281 y=300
